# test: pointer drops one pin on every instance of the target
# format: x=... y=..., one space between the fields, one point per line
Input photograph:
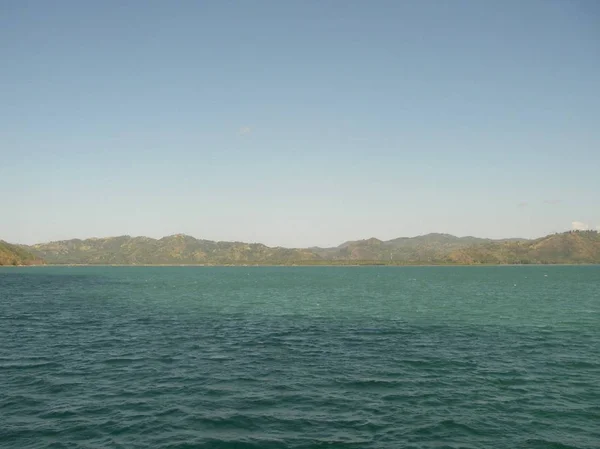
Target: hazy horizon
x=332 y=245
x=575 y=226
x=298 y=124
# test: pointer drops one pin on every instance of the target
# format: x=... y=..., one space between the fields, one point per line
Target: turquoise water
x=307 y=357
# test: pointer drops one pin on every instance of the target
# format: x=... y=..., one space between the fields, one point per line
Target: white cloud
x=579 y=226
x=552 y=201
x=523 y=204
x=245 y=130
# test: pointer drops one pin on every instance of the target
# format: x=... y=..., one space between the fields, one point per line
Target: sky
x=298 y=123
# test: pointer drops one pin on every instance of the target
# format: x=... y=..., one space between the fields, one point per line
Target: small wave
x=221 y=443
x=122 y=360
x=29 y=366
x=547 y=444
x=448 y=427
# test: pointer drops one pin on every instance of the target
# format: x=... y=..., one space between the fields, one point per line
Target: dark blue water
x=195 y=357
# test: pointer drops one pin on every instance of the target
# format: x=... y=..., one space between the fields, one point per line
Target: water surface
x=307 y=357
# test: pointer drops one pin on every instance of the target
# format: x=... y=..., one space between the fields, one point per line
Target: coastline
x=329 y=265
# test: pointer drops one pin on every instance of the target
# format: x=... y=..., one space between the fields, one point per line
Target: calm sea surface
x=327 y=357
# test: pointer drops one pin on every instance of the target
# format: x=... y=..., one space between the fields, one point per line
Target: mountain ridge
x=433 y=248
x=11 y=254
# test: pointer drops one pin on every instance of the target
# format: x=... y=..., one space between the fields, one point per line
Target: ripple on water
x=209 y=359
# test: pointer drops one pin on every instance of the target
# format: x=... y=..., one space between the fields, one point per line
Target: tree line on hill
x=575 y=247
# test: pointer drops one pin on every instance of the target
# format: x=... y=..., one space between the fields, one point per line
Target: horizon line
x=297 y=247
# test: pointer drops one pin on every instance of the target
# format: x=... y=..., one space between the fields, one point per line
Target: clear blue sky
x=298 y=123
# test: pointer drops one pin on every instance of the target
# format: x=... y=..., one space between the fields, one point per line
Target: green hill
x=15 y=255
x=569 y=247
x=184 y=249
x=175 y=249
x=429 y=248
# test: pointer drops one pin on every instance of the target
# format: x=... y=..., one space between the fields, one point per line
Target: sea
x=300 y=357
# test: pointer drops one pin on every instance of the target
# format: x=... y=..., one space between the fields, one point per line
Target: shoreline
x=331 y=265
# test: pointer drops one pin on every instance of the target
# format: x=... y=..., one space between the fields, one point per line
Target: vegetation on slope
x=570 y=247
x=567 y=248
x=430 y=248
x=15 y=255
x=175 y=249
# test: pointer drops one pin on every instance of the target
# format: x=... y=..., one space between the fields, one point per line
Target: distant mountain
x=569 y=247
x=429 y=248
x=15 y=255
x=175 y=249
